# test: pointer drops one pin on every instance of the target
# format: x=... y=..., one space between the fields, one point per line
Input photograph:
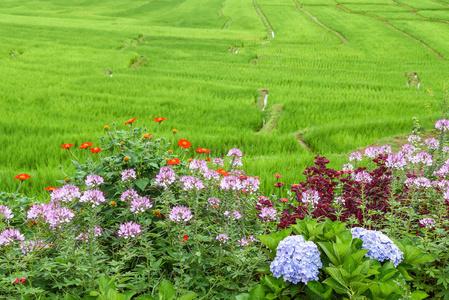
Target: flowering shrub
x=379 y=245
x=139 y=211
x=296 y=260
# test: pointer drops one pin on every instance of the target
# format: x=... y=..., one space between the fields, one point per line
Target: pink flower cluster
x=93 y=180
x=191 y=183
x=129 y=175
x=9 y=236
x=6 y=212
x=129 y=230
x=165 y=177
x=180 y=214
x=30 y=246
x=93 y=197
x=67 y=193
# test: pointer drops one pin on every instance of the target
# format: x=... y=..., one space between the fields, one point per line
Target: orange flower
x=159 y=119
x=66 y=146
x=190 y=159
x=184 y=144
x=22 y=176
x=106 y=127
x=67 y=180
x=50 y=188
x=169 y=151
x=126 y=159
x=157 y=213
x=95 y=149
x=31 y=204
x=86 y=145
x=147 y=136
x=130 y=121
x=206 y=150
x=113 y=203
x=199 y=150
x=222 y=172
x=174 y=131
x=174 y=161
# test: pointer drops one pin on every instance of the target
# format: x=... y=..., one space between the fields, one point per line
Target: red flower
x=50 y=188
x=159 y=119
x=185 y=238
x=278 y=184
x=206 y=150
x=284 y=200
x=66 y=146
x=277 y=176
x=95 y=149
x=20 y=280
x=199 y=150
x=174 y=161
x=22 y=176
x=208 y=159
x=147 y=136
x=222 y=172
x=130 y=121
x=86 y=145
x=184 y=144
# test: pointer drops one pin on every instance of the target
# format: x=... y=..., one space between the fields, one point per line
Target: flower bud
x=126 y=158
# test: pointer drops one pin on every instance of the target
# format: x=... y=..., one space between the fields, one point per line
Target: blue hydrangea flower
x=296 y=260
x=380 y=246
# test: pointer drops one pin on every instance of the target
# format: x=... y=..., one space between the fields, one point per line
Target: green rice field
x=335 y=72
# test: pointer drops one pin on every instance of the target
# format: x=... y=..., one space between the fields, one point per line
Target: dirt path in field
x=304 y=144
x=440 y=2
x=341 y=7
x=314 y=19
x=264 y=19
x=415 y=12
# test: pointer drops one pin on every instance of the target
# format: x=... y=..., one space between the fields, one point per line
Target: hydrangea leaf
x=337 y=287
x=257 y=293
x=166 y=290
x=418 y=295
x=359 y=287
x=336 y=275
x=188 y=296
x=329 y=250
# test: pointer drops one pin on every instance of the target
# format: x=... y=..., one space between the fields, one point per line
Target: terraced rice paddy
x=334 y=71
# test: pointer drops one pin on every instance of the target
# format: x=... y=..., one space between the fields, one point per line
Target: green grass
x=337 y=96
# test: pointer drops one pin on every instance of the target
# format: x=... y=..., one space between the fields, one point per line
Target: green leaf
x=70 y=297
x=418 y=295
x=264 y=269
x=316 y=287
x=358 y=287
x=271 y=296
x=335 y=285
x=188 y=296
x=257 y=293
x=404 y=273
x=144 y=297
x=106 y=284
x=166 y=290
x=243 y=296
x=129 y=295
x=329 y=251
x=349 y=264
x=336 y=274
x=142 y=183
x=341 y=251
